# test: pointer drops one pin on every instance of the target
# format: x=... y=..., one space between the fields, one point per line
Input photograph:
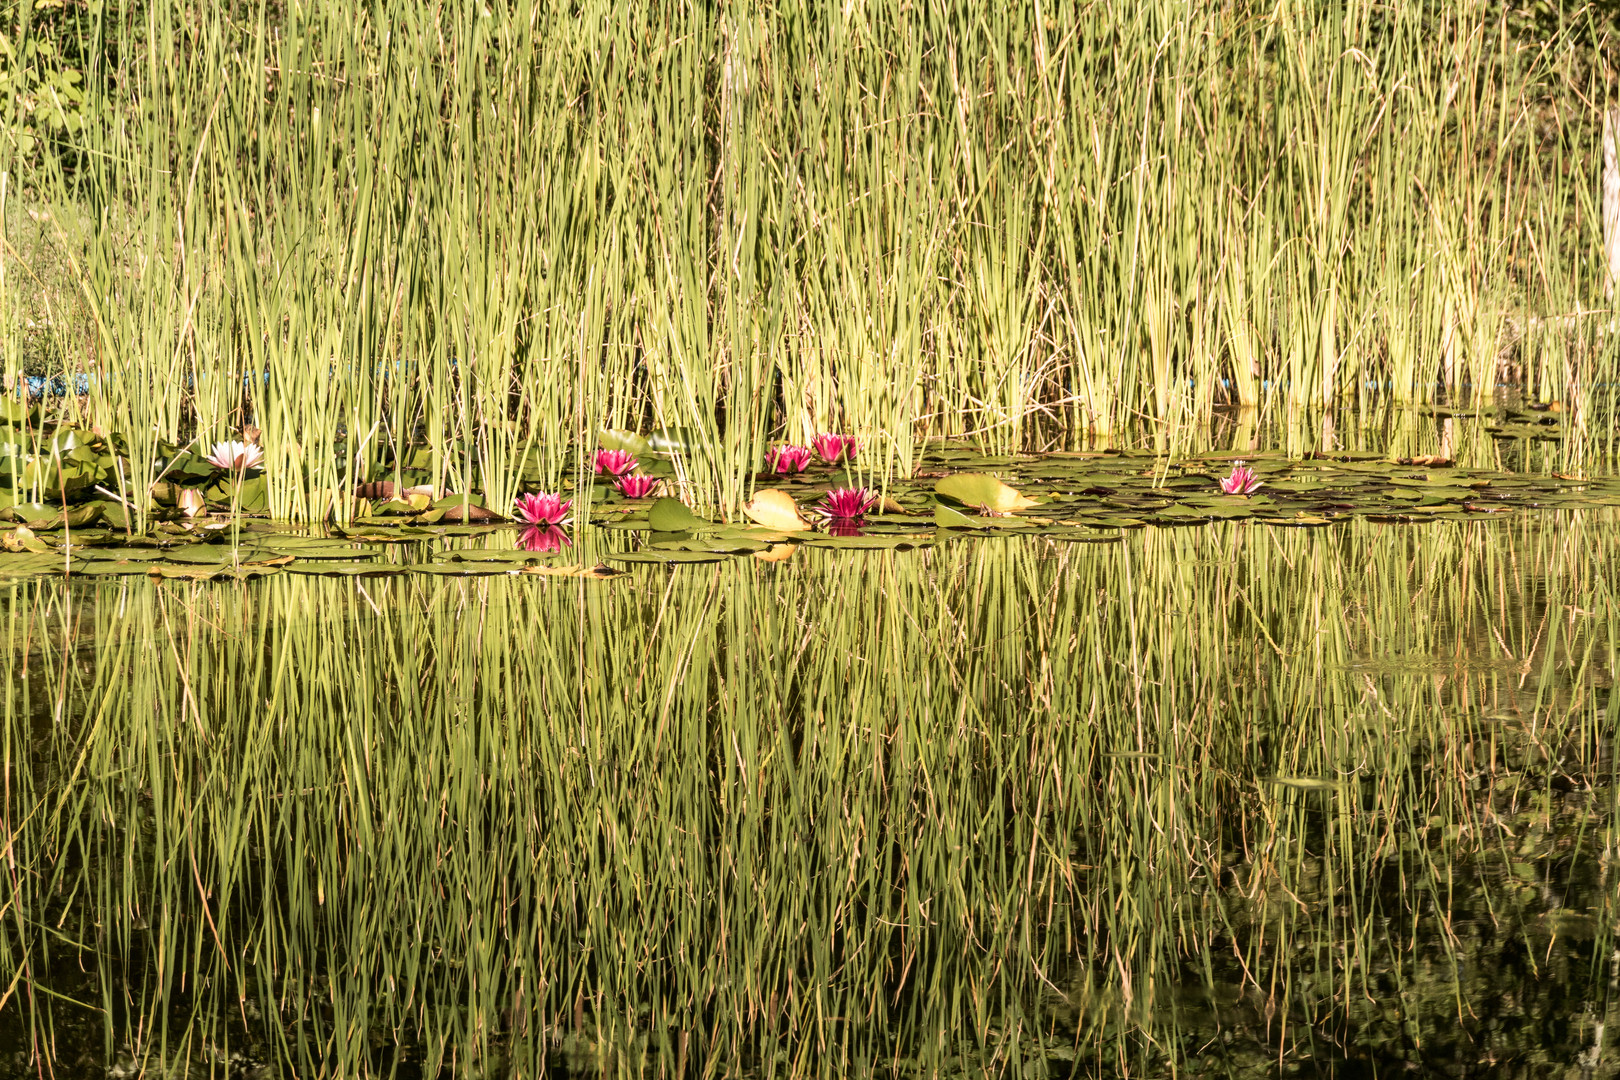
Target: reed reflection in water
x=1226 y=799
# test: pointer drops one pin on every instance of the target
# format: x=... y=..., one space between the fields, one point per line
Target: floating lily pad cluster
x=1077 y=497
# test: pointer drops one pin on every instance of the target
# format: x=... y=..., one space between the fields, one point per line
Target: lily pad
x=668 y=555
x=31 y=565
x=672 y=515
x=40 y=516
x=982 y=490
x=671 y=440
x=872 y=543
x=111 y=567
x=496 y=556
x=775 y=509
x=947 y=517
x=464 y=568
x=609 y=439
x=721 y=544
x=341 y=569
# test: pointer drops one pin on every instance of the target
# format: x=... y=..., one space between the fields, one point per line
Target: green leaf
x=473 y=568
x=981 y=490
x=668 y=555
x=872 y=543
x=726 y=545
x=341 y=569
x=519 y=557
x=113 y=513
x=672 y=515
x=671 y=440
x=41 y=516
x=609 y=439
x=31 y=565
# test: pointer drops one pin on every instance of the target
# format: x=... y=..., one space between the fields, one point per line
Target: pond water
x=1234 y=799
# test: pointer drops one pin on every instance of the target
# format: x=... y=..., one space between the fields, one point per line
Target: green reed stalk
x=754 y=225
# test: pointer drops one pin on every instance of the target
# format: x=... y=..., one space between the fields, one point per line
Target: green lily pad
x=339 y=552
x=981 y=490
x=30 y=564
x=1082 y=536
x=872 y=543
x=122 y=554
x=1299 y=521
x=389 y=536
x=496 y=556
x=671 y=440
x=721 y=545
x=209 y=554
x=341 y=569
x=467 y=568
x=629 y=441
x=111 y=567
x=947 y=517
x=210 y=573
x=672 y=515
x=38 y=516
x=667 y=555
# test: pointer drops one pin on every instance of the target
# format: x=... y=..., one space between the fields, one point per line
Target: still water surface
x=1230 y=800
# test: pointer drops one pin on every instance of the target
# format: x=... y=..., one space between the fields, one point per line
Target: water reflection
x=549 y=539
x=1230 y=799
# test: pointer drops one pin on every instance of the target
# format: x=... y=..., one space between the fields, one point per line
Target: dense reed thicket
x=486 y=230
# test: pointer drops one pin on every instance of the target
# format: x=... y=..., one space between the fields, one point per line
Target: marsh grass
x=480 y=233
x=992 y=807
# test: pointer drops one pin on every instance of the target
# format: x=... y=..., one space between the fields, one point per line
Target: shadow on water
x=1230 y=801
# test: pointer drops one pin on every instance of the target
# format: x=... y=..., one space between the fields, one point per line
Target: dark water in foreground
x=1234 y=800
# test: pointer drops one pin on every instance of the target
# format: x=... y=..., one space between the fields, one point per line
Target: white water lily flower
x=236 y=456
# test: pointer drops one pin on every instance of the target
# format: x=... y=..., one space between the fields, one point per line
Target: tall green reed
x=755 y=224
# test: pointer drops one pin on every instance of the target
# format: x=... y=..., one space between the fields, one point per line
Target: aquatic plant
x=834 y=448
x=614 y=463
x=543 y=538
x=544 y=508
x=636 y=485
x=235 y=456
x=1001 y=327
x=1241 y=482
x=846 y=504
x=787 y=459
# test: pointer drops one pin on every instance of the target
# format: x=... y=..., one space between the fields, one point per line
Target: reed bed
x=998 y=807
x=472 y=235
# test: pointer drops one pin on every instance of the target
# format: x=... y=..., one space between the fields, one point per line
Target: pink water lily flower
x=636 y=485
x=547 y=539
x=236 y=456
x=834 y=448
x=846 y=504
x=787 y=459
x=544 y=508
x=1241 y=482
x=614 y=462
